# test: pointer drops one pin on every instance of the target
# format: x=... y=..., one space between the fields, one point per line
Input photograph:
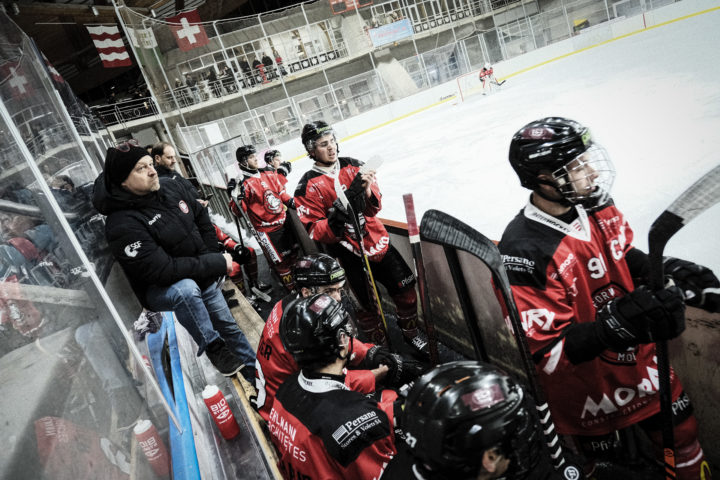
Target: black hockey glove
x=284 y=169
x=337 y=217
x=231 y=186
x=641 y=317
x=400 y=370
x=355 y=194
x=291 y=204
x=241 y=192
x=699 y=284
x=240 y=254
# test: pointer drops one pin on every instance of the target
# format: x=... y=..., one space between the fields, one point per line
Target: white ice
x=651 y=99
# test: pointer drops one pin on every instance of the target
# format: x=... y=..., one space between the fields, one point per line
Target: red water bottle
x=221 y=413
x=153 y=447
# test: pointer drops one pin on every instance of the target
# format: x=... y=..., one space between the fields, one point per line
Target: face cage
x=311 y=144
x=587 y=178
x=523 y=448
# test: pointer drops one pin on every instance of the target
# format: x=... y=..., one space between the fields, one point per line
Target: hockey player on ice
x=315 y=274
x=262 y=195
x=487 y=77
x=467 y=420
x=321 y=429
x=580 y=286
x=327 y=221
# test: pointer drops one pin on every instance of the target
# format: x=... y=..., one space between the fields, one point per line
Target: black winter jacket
x=160 y=238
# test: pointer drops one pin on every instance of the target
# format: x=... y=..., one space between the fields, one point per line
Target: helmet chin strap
x=562 y=200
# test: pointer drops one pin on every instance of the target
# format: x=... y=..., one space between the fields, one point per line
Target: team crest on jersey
x=183 y=206
x=272 y=202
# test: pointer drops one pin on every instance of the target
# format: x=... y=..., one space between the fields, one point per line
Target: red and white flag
x=110 y=46
x=187 y=30
x=15 y=83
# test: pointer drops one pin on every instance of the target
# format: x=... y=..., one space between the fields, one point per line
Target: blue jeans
x=205 y=315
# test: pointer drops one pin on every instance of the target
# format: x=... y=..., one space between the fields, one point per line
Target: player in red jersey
x=243 y=257
x=274 y=163
x=320 y=210
x=579 y=285
x=262 y=195
x=321 y=429
x=486 y=76
x=320 y=273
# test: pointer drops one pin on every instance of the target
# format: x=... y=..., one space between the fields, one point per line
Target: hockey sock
x=372 y=328
x=406 y=309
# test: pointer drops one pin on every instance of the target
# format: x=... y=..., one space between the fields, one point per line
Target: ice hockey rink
x=652 y=99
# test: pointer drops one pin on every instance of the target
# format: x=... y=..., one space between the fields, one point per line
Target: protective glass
x=588 y=178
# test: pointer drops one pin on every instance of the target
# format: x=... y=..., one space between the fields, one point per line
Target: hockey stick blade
x=260 y=294
x=443 y=229
x=692 y=202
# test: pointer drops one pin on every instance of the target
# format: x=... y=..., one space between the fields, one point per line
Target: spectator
x=268 y=65
x=166 y=244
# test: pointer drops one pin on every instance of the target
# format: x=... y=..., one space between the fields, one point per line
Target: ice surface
x=651 y=99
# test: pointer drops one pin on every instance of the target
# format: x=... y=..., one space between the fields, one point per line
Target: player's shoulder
x=308 y=178
x=350 y=162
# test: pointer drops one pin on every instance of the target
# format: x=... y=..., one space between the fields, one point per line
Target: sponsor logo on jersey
x=353 y=429
x=518 y=264
x=154 y=219
x=379 y=246
x=132 y=249
x=540 y=316
x=183 y=206
x=623 y=400
x=605 y=294
x=569 y=262
x=284 y=434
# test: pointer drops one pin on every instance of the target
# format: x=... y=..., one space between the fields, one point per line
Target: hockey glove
x=231 y=186
x=291 y=204
x=240 y=254
x=337 y=217
x=400 y=370
x=356 y=194
x=284 y=169
x=699 y=284
x=241 y=192
x=641 y=317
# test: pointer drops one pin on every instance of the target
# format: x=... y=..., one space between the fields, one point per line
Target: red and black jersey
x=265 y=199
x=274 y=364
x=324 y=431
x=562 y=274
x=485 y=72
x=315 y=195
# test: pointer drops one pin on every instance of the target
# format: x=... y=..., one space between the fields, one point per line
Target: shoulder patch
x=132 y=249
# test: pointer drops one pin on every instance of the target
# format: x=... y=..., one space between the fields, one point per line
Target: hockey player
x=314 y=274
x=243 y=257
x=487 y=77
x=274 y=163
x=262 y=195
x=579 y=285
x=320 y=427
x=467 y=420
x=328 y=222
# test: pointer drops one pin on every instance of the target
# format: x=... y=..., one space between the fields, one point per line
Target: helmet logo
x=484 y=397
x=320 y=303
x=541 y=133
x=339 y=273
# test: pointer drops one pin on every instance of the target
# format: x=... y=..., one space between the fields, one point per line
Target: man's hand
x=699 y=284
x=231 y=186
x=380 y=373
x=641 y=316
x=228 y=263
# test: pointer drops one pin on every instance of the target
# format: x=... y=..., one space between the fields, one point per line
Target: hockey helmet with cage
x=564 y=149
x=312 y=132
x=311 y=329
x=460 y=409
x=318 y=270
x=270 y=155
x=243 y=153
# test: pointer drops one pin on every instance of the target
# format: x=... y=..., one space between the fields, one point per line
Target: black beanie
x=118 y=165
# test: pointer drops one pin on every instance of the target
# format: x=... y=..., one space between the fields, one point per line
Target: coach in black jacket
x=166 y=244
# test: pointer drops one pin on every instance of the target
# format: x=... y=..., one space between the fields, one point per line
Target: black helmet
x=312 y=131
x=564 y=148
x=243 y=152
x=270 y=154
x=460 y=409
x=318 y=270
x=310 y=328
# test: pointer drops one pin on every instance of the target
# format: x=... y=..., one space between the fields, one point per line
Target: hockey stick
x=369 y=279
x=442 y=229
x=414 y=235
x=696 y=199
x=499 y=84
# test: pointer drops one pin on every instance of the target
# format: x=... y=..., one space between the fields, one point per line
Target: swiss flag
x=110 y=46
x=16 y=84
x=187 y=30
